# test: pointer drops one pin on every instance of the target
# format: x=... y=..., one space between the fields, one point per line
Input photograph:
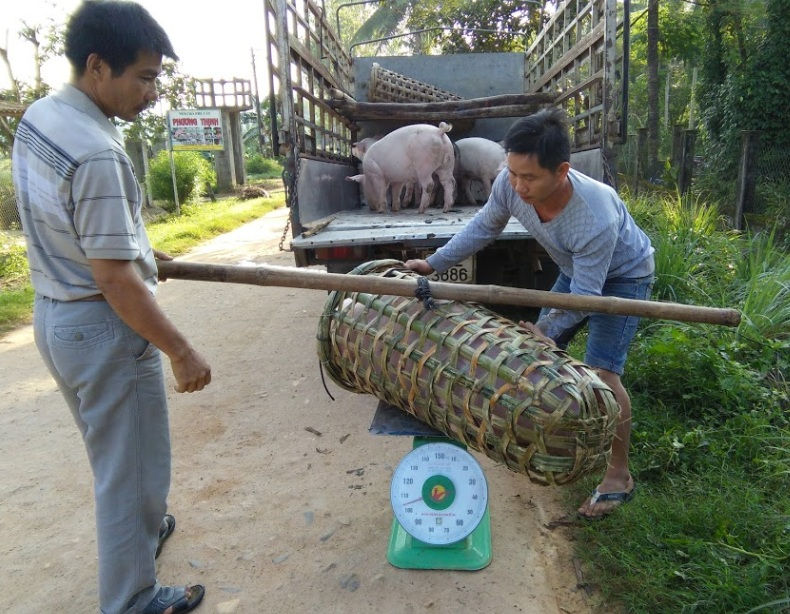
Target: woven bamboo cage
x=388 y=86
x=473 y=375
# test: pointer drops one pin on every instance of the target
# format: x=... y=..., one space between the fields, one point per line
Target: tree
x=762 y=91
x=15 y=92
x=652 y=88
x=384 y=21
x=456 y=25
x=745 y=74
x=679 y=40
x=255 y=140
x=46 y=40
x=477 y=25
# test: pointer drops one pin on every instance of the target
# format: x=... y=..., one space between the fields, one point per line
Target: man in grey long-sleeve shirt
x=600 y=251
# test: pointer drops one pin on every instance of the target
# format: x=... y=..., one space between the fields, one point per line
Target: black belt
x=94 y=297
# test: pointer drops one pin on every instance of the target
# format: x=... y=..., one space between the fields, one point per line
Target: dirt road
x=271 y=517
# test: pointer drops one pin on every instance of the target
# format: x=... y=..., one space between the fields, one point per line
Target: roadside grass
x=709 y=529
x=172 y=234
x=16 y=295
x=16 y=307
x=197 y=223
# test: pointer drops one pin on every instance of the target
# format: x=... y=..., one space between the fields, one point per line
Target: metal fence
x=759 y=185
x=772 y=167
x=770 y=196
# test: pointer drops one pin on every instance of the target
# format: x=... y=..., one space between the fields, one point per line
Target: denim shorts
x=609 y=335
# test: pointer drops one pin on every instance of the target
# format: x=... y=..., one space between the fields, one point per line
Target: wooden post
x=693 y=101
x=686 y=169
x=641 y=153
x=237 y=147
x=630 y=164
x=677 y=145
x=744 y=200
x=667 y=85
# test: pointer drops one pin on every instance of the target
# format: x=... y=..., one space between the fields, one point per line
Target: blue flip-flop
x=165 y=530
x=620 y=498
x=177 y=599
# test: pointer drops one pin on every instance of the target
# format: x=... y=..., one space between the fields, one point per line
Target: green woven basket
x=473 y=375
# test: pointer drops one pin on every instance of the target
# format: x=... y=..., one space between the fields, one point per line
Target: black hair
x=116 y=31
x=544 y=134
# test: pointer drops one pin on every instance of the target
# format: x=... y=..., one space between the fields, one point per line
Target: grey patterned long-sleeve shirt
x=593 y=239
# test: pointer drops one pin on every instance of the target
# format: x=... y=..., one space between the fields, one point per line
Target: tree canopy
x=746 y=72
x=455 y=26
x=45 y=41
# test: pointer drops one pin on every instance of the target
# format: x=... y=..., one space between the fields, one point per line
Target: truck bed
x=365 y=227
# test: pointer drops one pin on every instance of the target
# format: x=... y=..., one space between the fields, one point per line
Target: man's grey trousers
x=112 y=380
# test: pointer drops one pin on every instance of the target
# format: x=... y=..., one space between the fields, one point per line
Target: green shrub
x=9 y=216
x=763 y=288
x=696 y=373
x=194 y=174
x=268 y=168
x=13 y=260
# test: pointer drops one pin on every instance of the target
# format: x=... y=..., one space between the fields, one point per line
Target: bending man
x=599 y=249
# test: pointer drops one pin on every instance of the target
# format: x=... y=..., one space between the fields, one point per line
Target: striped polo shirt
x=77 y=195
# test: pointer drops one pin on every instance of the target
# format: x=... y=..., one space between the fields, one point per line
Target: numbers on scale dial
x=439 y=493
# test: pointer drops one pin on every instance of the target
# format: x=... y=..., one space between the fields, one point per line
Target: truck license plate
x=461 y=273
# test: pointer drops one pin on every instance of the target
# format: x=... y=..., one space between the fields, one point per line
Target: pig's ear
x=357 y=178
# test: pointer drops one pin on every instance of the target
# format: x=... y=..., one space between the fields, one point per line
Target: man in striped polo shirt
x=599 y=249
x=97 y=325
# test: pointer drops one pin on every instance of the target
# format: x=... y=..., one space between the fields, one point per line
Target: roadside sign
x=195 y=129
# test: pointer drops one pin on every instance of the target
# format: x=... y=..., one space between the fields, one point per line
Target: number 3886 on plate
x=461 y=273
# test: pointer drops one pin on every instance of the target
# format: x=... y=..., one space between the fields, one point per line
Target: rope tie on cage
x=423 y=293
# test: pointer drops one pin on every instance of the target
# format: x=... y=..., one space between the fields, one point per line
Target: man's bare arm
x=126 y=293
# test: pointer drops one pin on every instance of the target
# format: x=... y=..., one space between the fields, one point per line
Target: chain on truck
x=323 y=99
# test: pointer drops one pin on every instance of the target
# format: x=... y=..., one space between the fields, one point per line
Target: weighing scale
x=439 y=498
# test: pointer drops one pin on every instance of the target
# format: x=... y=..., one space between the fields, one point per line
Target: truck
x=323 y=99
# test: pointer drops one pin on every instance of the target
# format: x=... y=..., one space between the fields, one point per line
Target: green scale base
x=469 y=554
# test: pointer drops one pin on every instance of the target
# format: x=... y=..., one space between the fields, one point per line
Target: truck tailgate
x=365 y=227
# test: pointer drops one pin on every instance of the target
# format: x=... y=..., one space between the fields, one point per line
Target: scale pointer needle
x=413 y=501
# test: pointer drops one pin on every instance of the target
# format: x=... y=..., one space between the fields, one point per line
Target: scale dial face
x=439 y=493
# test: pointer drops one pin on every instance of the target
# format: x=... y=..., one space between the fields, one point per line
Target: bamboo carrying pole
x=289 y=277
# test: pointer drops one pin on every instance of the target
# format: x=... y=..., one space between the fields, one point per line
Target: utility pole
x=257 y=102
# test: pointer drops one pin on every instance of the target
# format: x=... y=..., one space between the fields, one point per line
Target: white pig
x=409 y=154
x=359 y=148
x=480 y=160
